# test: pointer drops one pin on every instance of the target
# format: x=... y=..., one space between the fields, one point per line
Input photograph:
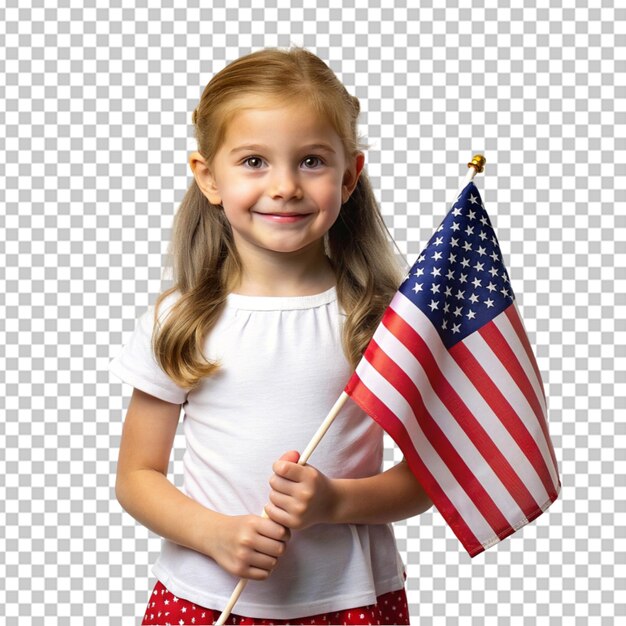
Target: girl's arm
x=246 y=545
x=387 y=497
x=301 y=496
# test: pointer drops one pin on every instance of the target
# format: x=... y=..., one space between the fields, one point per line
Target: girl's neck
x=301 y=273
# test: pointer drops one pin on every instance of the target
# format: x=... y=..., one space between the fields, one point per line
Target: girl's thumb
x=293 y=456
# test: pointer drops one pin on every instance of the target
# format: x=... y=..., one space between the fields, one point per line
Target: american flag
x=451 y=376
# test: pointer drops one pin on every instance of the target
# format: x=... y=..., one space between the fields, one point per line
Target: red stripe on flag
x=501 y=348
x=504 y=411
x=466 y=420
x=516 y=322
x=373 y=406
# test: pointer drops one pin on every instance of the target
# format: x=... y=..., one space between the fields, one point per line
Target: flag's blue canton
x=459 y=281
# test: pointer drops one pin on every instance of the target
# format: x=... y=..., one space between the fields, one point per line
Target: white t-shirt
x=282 y=369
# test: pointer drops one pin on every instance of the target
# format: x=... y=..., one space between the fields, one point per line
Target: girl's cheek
x=237 y=196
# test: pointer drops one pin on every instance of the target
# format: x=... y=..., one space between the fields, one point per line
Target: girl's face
x=281 y=175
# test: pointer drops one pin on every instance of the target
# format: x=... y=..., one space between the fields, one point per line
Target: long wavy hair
x=204 y=259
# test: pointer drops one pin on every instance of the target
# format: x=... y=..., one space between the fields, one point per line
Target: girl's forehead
x=251 y=117
x=258 y=114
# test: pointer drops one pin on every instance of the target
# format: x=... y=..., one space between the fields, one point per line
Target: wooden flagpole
x=308 y=451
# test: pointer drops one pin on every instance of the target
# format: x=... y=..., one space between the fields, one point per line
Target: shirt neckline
x=281 y=303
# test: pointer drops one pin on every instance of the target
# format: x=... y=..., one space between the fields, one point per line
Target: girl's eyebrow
x=260 y=148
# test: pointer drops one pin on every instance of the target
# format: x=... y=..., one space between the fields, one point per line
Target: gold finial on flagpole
x=478 y=163
x=475 y=166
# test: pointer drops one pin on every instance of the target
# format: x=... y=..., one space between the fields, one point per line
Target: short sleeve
x=136 y=364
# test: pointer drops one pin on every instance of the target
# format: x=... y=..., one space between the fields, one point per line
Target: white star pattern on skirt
x=391 y=608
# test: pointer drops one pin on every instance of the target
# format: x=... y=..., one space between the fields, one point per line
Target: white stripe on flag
x=473 y=399
x=461 y=443
x=504 y=325
x=496 y=371
x=396 y=403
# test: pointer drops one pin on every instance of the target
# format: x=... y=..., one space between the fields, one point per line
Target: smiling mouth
x=284 y=218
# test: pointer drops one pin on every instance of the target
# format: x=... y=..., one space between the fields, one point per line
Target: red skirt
x=165 y=608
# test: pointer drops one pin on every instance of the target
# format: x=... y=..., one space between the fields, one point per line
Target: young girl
x=282 y=270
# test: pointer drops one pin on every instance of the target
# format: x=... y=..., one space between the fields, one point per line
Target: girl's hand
x=301 y=495
x=248 y=546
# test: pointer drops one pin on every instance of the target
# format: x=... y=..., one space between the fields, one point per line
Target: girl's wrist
x=336 y=510
x=207 y=530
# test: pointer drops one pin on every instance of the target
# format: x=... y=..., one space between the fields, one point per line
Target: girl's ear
x=351 y=176
x=204 y=178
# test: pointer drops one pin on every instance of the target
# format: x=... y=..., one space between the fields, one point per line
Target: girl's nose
x=285 y=184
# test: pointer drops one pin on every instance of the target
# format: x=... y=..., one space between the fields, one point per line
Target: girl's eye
x=312 y=162
x=253 y=162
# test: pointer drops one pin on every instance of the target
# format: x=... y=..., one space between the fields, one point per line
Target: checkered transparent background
x=96 y=128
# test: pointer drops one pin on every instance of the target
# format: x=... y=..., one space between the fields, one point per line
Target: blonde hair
x=204 y=259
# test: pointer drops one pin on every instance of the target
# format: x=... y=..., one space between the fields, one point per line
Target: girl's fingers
x=291 y=471
x=283 y=485
x=280 y=500
x=269 y=547
x=293 y=456
x=262 y=561
x=277 y=514
x=258 y=574
x=272 y=530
